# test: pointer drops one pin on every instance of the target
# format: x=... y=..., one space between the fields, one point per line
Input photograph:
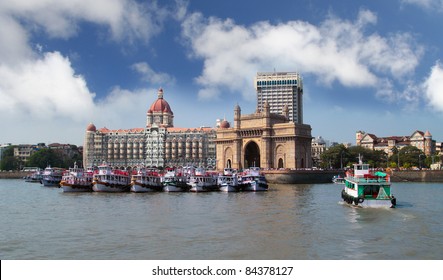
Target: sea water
x=288 y=222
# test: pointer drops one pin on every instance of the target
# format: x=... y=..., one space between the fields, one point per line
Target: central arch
x=252 y=155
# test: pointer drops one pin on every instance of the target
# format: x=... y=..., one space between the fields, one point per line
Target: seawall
x=14 y=174
x=301 y=176
x=429 y=176
x=325 y=176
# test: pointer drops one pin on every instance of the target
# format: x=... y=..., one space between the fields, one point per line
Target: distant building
x=422 y=140
x=318 y=147
x=279 y=89
x=159 y=144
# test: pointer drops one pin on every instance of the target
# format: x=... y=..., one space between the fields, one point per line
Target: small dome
x=225 y=124
x=91 y=127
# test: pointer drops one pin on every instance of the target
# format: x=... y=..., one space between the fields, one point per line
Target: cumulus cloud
x=336 y=50
x=149 y=75
x=433 y=86
x=126 y=19
x=42 y=97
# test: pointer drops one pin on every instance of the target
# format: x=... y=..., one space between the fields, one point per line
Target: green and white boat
x=365 y=187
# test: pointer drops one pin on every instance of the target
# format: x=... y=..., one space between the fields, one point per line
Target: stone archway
x=280 y=163
x=228 y=158
x=252 y=155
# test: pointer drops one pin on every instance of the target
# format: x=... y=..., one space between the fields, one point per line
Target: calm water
x=287 y=222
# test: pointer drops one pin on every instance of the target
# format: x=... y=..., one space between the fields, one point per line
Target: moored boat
x=109 y=180
x=228 y=181
x=35 y=177
x=76 y=179
x=52 y=176
x=201 y=181
x=146 y=180
x=367 y=188
x=175 y=181
x=253 y=180
x=337 y=179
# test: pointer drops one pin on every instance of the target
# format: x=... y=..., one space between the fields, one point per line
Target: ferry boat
x=35 y=177
x=228 y=181
x=76 y=179
x=146 y=180
x=51 y=177
x=253 y=180
x=109 y=180
x=367 y=188
x=175 y=181
x=201 y=181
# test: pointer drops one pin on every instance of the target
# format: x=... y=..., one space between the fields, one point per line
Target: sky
x=375 y=66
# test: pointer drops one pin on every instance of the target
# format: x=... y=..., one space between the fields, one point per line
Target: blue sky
x=374 y=66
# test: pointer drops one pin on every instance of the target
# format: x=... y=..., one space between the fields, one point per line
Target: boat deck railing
x=369 y=180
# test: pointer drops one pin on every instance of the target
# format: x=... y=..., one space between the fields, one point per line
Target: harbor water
x=288 y=222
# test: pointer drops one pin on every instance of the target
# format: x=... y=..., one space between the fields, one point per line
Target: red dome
x=160 y=105
x=224 y=124
x=91 y=127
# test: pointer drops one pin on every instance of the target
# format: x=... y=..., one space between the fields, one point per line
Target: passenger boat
x=146 y=180
x=253 y=180
x=76 y=179
x=35 y=177
x=228 y=181
x=337 y=179
x=366 y=188
x=51 y=177
x=175 y=181
x=109 y=180
x=201 y=181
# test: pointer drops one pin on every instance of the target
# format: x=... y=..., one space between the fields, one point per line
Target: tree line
x=41 y=158
x=407 y=157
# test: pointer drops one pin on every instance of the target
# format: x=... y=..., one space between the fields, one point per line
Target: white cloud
x=151 y=76
x=126 y=19
x=436 y=5
x=434 y=87
x=42 y=97
x=335 y=50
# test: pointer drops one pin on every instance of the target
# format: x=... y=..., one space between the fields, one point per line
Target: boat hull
x=228 y=188
x=50 y=182
x=107 y=187
x=254 y=187
x=76 y=188
x=141 y=188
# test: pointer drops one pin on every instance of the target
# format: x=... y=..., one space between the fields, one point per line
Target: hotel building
x=279 y=89
x=159 y=144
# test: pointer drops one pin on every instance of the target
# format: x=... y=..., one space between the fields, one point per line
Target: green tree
x=45 y=157
x=335 y=157
x=9 y=161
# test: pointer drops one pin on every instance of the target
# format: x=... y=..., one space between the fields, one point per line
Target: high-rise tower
x=280 y=89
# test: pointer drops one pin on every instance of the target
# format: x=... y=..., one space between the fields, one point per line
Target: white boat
x=52 y=176
x=201 y=181
x=228 y=181
x=77 y=179
x=35 y=177
x=367 y=188
x=146 y=180
x=175 y=181
x=253 y=180
x=338 y=180
x=109 y=180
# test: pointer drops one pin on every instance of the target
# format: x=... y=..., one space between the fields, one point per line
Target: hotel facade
x=159 y=144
